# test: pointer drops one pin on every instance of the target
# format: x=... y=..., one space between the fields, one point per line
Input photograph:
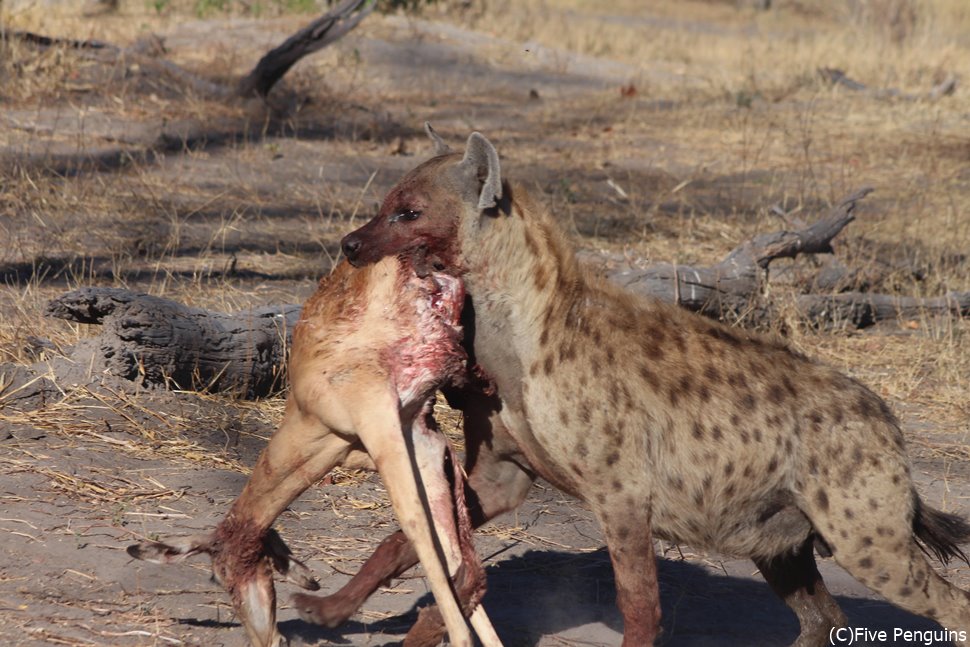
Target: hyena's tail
x=940 y=533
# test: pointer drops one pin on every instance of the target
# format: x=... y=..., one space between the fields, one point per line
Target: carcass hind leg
x=299 y=454
x=497 y=482
x=794 y=577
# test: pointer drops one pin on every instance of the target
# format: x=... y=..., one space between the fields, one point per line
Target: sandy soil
x=80 y=483
x=67 y=580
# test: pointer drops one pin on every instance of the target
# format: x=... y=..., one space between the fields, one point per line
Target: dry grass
x=728 y=117
x=167 y=429
x=700 y=39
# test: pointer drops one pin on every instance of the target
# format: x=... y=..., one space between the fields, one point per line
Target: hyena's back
x=736 y=442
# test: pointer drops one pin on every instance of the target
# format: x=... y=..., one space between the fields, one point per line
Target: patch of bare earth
x=658 y=134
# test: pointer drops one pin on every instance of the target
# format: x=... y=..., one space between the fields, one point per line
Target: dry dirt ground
x=657 y=134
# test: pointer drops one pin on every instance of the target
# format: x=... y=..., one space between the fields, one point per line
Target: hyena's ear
x=480 y=170
x=440 y=147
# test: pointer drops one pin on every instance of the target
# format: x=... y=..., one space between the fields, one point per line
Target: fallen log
x=157 y=341
x=837 y=77
x=735 y=288
x=861 y=310
x=732 y=284
x=151 y=342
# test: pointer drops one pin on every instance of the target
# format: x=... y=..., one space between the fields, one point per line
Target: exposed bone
x=456 y=539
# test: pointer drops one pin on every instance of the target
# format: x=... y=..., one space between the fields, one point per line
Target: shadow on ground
x=544 y=593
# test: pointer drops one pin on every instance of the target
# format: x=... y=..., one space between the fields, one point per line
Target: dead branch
x=326 y=29
x=736 y=287
x=49 y=41
x=736 y=281
x=323 y=31
x=814 y=239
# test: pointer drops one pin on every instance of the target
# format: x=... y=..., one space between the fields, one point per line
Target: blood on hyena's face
x=419 y=217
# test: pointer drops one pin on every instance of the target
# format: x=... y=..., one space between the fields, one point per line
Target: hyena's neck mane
x=525 y=254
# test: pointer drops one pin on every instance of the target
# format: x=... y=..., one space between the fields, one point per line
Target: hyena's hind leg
x=795 y=578
x=875 y=539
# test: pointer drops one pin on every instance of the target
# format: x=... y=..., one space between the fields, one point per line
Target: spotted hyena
x=666 y=423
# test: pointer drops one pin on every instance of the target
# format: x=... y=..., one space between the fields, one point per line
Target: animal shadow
x=572 y=595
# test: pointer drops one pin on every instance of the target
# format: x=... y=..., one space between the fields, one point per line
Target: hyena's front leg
x=630 y=544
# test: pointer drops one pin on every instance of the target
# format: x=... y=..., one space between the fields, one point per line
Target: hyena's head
x=425 y=214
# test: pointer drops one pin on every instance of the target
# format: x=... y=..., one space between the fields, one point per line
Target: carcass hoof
x=428 y=631
x=292 y=569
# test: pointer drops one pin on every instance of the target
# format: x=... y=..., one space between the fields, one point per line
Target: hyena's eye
x=408 y=215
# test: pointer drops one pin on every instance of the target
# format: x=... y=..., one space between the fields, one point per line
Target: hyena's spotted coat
x=666 y=423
